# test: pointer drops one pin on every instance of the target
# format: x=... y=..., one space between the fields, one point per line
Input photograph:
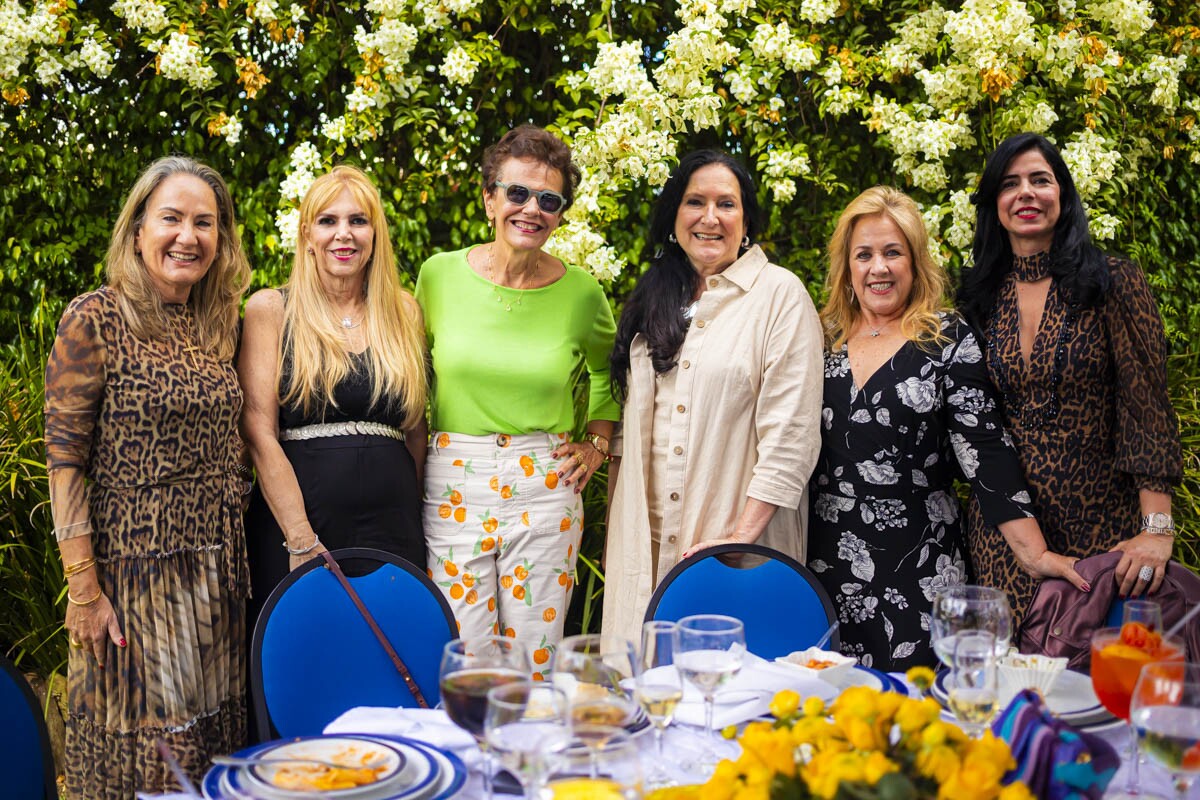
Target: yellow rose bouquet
x=867 y=745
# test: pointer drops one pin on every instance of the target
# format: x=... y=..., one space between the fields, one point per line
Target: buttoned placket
x=719 y=291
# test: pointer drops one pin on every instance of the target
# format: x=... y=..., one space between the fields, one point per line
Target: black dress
x=884 y=532
x=359 y=490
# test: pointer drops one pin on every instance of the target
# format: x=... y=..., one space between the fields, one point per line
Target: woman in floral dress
x=908 y=407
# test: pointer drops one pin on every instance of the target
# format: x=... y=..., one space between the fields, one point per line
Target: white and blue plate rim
x=212 y=783
x=457 y=768
x=1087 y=716
x=270 y=747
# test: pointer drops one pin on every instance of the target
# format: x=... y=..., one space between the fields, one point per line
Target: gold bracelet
x=88 y=602
x=79 y=567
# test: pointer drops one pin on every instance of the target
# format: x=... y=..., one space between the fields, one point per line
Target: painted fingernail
x=122 y=642
x=1087 y=587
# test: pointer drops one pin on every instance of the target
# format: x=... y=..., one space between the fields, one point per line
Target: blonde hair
x=841 y=313
x=214 y=300
x=394 y=328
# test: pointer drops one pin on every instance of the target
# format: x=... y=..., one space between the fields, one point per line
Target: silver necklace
x=508 y=305
x=348 y=323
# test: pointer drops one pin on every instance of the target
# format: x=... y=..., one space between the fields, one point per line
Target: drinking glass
x=963 y=607
x=525 y=724
x=1165 y=711
x=972 y=681
x=708 y=653
x=1146 y=612
x=470 y=669
x=1115 y=669
x=617 y=769
x=590 y=669
x=659 y=690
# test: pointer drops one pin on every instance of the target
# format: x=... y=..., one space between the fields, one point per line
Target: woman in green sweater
x=510 y=330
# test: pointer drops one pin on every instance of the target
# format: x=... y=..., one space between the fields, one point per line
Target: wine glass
x=590 y=669
x=1116 y=664
x=526 y=723
x=963 y=607
x=470 y=668
x=618 y=769
x=708 y=653
x=972 y=681
x=1165 y=711
x=659 y=690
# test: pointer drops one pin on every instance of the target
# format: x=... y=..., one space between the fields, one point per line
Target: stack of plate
x=1072 y=700
x=410 y=770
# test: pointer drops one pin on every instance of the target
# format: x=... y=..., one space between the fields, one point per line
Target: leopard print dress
x=153 y=426
x=1090 y=417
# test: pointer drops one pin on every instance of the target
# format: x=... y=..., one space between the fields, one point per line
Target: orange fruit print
x=527 y=466
x=443 y=440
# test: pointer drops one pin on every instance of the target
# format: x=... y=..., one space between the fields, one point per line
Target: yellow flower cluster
x=865 y=744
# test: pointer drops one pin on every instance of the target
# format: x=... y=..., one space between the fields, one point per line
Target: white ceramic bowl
x=818 y=663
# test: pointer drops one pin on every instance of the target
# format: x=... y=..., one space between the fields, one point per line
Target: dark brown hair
x=530 y=141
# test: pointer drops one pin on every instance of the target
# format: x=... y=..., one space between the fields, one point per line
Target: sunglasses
x=518 y=194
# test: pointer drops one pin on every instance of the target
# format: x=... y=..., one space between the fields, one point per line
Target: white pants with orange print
x=503 y=535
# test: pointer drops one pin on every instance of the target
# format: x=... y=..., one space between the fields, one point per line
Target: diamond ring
x=1146 y=573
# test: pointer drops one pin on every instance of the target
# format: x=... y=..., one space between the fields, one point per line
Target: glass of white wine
x=972 y=681
x=659 y=690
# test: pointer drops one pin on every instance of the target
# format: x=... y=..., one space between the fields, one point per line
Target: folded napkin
x=429 y=725
x=749 y=693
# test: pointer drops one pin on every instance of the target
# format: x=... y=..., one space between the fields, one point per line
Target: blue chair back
x=26 y=762
x=781 y=603
x=313 y=656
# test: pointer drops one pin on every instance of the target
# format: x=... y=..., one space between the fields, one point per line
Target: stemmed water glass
x=708 y=653
x=590 y=669
x=470 y=669
x=525 y=724
x=972 y=681
x=1165 y=711
x=659 y=690
x=963 y=607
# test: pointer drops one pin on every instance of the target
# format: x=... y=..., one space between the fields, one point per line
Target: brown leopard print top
x=152 y=427
x=1089 y=414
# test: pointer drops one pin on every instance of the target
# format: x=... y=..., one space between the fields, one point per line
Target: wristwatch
x=1159 y=523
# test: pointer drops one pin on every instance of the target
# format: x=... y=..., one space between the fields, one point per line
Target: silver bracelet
x=302 y=551
x=1157 y=531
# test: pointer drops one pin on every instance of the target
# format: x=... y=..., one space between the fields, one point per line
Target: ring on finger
x=579 y=459
x=74 y=642
x=1146 y=573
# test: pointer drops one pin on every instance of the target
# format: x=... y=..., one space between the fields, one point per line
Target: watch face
x=1158 y=520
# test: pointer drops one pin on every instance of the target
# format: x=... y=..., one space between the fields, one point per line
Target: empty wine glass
x=708 y=653
x=525 y=724
x=617 y=765
x=590 y=670
x=972 y=681
x=964 y=608
x=1165 y=711
x=659 y=690
x=469 y=669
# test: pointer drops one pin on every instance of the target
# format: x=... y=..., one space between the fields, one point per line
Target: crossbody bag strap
x=332 y=564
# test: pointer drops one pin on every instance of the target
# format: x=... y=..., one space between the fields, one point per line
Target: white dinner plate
x=1072 y=699
x=337 y=749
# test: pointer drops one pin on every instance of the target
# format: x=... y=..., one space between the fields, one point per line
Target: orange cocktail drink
x=1118 y=655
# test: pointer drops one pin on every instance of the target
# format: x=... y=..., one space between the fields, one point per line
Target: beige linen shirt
x=745 y=424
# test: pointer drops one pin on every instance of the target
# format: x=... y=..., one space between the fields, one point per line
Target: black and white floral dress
x=884 y=532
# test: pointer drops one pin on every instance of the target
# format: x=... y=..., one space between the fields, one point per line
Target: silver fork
x=233 y=761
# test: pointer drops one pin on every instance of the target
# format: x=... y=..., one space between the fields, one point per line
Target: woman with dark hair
x=718 y=360
x=1075 y=344
x=142 y=447
x=510 y=329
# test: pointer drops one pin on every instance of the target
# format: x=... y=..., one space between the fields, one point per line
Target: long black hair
x=1079 y=267
x=655 y=307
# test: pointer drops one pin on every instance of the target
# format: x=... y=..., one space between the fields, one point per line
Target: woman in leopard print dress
x=1075 y=344
x=142 y=406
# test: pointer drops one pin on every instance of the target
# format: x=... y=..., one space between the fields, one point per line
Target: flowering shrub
x=867 y=744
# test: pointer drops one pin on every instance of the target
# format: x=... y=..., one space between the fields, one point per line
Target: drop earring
x=746 y=242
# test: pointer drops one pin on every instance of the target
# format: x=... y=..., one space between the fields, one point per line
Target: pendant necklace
x=508 y=305
x=348 y=323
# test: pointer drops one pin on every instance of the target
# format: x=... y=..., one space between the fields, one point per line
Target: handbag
x=1055 y=760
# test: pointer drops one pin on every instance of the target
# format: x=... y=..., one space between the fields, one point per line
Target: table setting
x=688 y=704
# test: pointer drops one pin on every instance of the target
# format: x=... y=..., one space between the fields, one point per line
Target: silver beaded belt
x=323 y=429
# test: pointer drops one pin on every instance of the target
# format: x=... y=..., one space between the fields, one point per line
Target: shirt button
x=674 y=495
x=700 y=324
x=712 y=283
x=686 y=364
x=671 y=539
x=678 y=450
x=681 y=408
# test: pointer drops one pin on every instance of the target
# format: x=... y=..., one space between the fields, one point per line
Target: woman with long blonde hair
x=907 y=406
x=333 y=366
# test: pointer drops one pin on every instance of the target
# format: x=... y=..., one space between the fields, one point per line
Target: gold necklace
x=508 y=305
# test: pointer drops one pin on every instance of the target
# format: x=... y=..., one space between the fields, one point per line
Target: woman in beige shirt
x=718 y=360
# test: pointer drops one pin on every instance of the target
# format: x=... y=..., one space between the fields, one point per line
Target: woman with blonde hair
x=907 y=405
x=142 y=403
x=333 y=366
